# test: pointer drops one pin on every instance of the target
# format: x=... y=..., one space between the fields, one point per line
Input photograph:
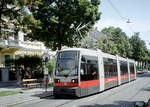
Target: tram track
x=109 y=95
x=112 y=92
x=25 y=101
x=130 y=98
x=115 y=92
x=120 y=90
x=133 y=83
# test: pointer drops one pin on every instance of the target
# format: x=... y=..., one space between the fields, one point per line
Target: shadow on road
x=146 y=89
x=43 y=94
x=117 y=104
x=49 y=95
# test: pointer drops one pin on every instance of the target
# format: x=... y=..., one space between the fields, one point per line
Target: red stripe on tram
x=89 y=83
x=111 y=79
x=132 y=75
x=66 y=84
x=124 y=76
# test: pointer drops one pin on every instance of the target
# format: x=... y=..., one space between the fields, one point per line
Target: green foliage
x=12 y=15
x=6 y=93
x=106 y=45
x=62 y=22
x=115 y=42
x=51 y=65
x=88 y=42
x=139 y=47
x=31 y=66
x=140 y=51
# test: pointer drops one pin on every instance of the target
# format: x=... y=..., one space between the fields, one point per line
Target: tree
x=139 y=47
x=148 y=60
x=51 y=65
x=119 y=40
x=62 y=22
x=140 y=51
x=107 y=45
x=87 y=42
x=12 y=15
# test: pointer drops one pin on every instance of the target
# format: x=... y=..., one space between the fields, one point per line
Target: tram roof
x=78 y=49
x=88 y=51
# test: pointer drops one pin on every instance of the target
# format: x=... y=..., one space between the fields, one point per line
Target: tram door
x=89 y=75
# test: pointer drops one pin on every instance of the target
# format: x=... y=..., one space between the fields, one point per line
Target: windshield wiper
x=66 y=75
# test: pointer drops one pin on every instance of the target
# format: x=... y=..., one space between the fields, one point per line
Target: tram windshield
x=67 y=64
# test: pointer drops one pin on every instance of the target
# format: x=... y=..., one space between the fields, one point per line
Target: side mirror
x=140 y=104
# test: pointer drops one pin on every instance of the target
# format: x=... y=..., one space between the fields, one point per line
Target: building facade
x=91 y=40
x=13 y=48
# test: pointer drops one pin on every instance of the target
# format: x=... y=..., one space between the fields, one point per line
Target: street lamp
x=128 y=21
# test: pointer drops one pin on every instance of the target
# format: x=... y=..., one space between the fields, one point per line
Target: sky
x=117 y=12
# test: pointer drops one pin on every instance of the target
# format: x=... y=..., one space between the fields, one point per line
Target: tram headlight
x=56 y=80
x=74 y=80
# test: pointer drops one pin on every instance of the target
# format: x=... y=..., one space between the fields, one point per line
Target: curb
x=24 y=101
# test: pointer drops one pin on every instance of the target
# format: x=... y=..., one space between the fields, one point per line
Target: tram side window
x=123 y=68
x=83 y=72
x=110 y=67
x=89 y=68
x=131 y=68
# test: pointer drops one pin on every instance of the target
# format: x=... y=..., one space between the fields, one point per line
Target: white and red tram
x=81 y=72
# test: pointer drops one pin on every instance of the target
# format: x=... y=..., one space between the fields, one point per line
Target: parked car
x=145 y=71
x=140 y=71
x=142 y=104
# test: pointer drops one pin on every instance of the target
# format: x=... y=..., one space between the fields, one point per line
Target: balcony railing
x=13 y=43
x=2 y=43
x=31 y=45
x=8 y=43
x=20 y=44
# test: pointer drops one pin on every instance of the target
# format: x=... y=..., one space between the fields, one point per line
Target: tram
x=81 y=72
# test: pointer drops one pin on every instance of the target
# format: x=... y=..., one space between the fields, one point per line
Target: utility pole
x=46 y=57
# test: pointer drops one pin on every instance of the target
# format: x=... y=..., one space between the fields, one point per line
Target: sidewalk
x=27 y=95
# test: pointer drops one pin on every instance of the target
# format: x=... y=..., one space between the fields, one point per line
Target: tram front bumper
x=74 y=91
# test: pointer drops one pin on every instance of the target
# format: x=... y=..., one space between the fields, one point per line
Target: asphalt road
x=123 y=96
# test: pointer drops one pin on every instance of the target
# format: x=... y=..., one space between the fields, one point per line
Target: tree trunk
x=142 y=65
x=59 y=46
x=60 y=38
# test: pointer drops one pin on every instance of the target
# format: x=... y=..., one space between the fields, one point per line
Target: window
x=67 y=63
x=131 y=68
x=89 y=68
x=25 y=39
x=7 y=62
x=16 y=37
x=17 y=56
x=110 y=67
x=123 y=68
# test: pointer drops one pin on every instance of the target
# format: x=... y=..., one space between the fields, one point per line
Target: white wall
x=20 y=36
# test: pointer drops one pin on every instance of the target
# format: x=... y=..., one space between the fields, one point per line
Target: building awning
x=9 y=50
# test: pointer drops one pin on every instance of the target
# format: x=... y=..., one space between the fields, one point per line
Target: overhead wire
x=124 y=19
x=120 y=15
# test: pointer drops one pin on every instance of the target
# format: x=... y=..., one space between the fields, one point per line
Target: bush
x=51 y=65
x=30 y=66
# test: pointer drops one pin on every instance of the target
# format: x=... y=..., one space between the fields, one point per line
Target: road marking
x=24 y=101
